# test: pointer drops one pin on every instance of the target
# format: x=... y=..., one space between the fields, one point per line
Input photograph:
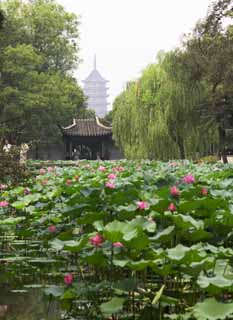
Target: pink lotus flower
x=142 y=205
x=174 y=164
x=188 y=179
x=4 y=204
x=50 y=169
x=52 y=229
x=110 y=185
x=3 y=186
x=68 y=182
x=174 y=191
x=204 y=191
x=96 y=240
x=172 y=207
x=68 y=279
x=42 y=171
x=120 y=169
x=112 y=176
x=118 y=244
x=101 y=168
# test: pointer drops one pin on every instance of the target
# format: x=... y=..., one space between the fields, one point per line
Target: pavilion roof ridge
x=87 y=127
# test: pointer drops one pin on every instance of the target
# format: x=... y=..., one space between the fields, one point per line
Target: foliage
x=123 y=252
x=39 y=51
x=185 y=96
x=11 y=171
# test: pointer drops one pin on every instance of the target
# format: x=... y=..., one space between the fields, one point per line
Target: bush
x=208 y=159
x=11 y=171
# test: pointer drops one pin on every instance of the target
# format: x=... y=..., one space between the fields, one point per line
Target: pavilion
x=88 y=139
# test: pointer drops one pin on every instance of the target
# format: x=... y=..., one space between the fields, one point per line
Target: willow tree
x=138 y=124
x=154 y=117
x=161 y=114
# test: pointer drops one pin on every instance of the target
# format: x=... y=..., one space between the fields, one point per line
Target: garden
x=120 y=240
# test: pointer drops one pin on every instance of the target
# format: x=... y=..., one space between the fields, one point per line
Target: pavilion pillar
x=70 y=150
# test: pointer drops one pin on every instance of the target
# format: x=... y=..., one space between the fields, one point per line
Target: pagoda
x=95 y=90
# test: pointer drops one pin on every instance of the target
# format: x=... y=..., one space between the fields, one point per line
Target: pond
x=29 y=305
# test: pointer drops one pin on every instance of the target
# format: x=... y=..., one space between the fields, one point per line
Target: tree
x=1 y=18
x=38 y=94
x=209 y=53
x=182 y=106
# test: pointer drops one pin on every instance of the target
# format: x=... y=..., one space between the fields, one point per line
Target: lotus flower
x=112 y=176
x=174 y=191
x=4 y=204
x=42 y=171
x=204 y=191
x=68 y=182
x=3 y=186
x=120 y=168
x=172 y=207
x=96 y=240
x=68 y=279
x=188 y=179
x=101 y=168
x=142 y=205
x=118 y=244
x=110 y=185
x=52 y=229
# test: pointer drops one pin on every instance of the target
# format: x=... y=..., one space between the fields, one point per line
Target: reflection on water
x=26 y=306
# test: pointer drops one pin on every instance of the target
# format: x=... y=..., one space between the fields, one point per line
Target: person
x=23 y=153
x=76 y=155
x=7 y=146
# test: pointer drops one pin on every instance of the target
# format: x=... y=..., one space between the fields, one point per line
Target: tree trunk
x=180 y=142
x=222 y=146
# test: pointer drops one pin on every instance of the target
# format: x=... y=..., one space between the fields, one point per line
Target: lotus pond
x=119 y=240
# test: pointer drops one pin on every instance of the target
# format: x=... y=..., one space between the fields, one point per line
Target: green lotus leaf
x=178 y=252
x=146 y=224
x=164 y=235
x=218 y=281
x=113 y=306
x=210 y=309
x=186 y=222
x=12 y=221
x=139 y=265
x=54 y=291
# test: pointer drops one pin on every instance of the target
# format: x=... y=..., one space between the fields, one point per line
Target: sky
x=126 y=35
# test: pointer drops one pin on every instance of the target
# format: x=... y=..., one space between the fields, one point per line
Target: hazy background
x=126 y=35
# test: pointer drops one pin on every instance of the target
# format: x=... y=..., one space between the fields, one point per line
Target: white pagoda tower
x=96 y=91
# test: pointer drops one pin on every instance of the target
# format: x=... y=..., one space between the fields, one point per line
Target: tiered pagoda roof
x=87 y=128
x=95 y=76
x=95 y=90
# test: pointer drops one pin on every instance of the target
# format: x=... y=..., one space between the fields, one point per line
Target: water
x=26 y=306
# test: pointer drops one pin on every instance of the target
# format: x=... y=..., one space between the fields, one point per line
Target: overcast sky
x=126 y=35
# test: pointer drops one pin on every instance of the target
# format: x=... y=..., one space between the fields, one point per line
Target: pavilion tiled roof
x=87 y=128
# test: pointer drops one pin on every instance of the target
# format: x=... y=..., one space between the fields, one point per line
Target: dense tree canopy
x=182 y=105
x=39 y=45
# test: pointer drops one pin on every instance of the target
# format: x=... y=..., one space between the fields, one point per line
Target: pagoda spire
x=95 y=62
